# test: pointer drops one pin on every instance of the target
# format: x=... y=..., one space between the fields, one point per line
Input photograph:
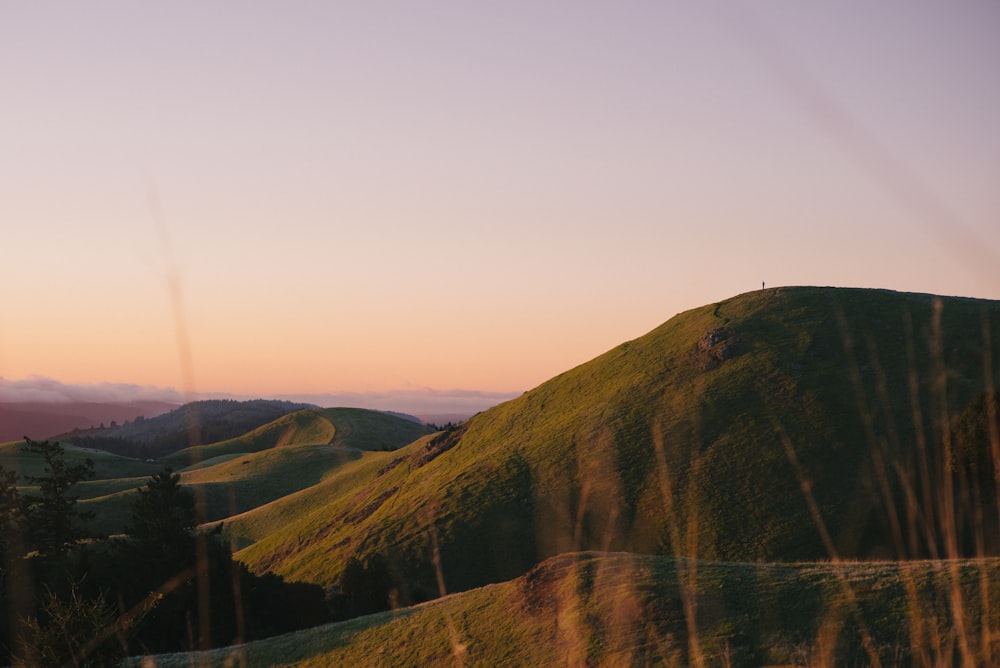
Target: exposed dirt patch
x=390 y=466
x=437 y=446
x=716 y=346
x=367 y=511
x=538 y=587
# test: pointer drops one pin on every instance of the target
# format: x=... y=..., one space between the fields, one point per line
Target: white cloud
x=417 y=401
x=423 y=401
x=48 y=390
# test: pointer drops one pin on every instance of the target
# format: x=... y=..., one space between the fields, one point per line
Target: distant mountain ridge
x=205 y=421
x=43 y=419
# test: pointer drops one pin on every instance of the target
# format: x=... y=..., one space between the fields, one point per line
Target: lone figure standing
x=762 y=285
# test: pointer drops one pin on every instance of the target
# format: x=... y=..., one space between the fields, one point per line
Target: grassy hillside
x=203 y=421
x=620 y=609
x=227 y=485
x=115 y=477
x=107 y=466
x=281 y=458
x=308 y=508
x=786 y=424
x=739 y=453
x=356 y=428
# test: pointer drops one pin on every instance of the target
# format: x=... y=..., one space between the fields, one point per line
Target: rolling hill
x=790 y=475
x=289 y=454
x=358 y=428
x=197 y=422
x=597 y=609
x=780 y=425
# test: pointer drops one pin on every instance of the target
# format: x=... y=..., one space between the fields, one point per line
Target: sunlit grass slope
x=226 y=485
x=786 y=424
x=357 y=428
x=107 y=466
x=113 y=475
x=309 y=508
x=207 y=421
x=619 y=609
x=281 y=458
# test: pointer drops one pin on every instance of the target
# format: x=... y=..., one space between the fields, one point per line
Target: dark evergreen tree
x=364 y=588
x=11 y=516
x=11 y=524
x=151 y=575
x=157 y=573
x=163 y=520
x=157 y=563
x=53 y=522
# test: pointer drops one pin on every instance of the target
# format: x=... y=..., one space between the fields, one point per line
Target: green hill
x=786 y=424
x=206 y=421
x=620 y=609
x=226 y=485
x=108 y=467
x=308 y=507
x=290 y=454
x=357 y=428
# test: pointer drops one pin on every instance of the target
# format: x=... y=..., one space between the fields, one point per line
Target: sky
x=362 y=199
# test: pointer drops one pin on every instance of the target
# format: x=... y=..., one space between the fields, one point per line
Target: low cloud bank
x=423 y=401
x=39 y=389
x=416 y=401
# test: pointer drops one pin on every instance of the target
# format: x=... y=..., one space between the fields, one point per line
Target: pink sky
x=368 y=197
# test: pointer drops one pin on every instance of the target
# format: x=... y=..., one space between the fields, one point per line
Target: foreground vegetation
x=100 y=552
x=72 y=596
x=626 y=609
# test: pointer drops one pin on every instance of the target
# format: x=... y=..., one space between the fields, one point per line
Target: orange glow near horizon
x=469 y=197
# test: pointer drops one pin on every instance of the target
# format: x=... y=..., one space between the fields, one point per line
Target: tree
x=47 y=523
x=160 y=549
x=364 y=587
x=58 y=608
x=163 y=516
x=158 y=564
x=11 y=516
x=52 y=519
x=160 y=555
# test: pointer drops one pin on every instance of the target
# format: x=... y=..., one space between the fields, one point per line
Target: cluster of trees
x=365 y=587
x=70 y=597
x=382 y=581
x=448 y=426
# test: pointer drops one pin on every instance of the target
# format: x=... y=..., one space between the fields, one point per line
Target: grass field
x=276 y=460
x=349 y=427
x=107 y=466
x=626 y=609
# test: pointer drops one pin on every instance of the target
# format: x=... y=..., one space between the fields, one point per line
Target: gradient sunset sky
x=313 y=197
